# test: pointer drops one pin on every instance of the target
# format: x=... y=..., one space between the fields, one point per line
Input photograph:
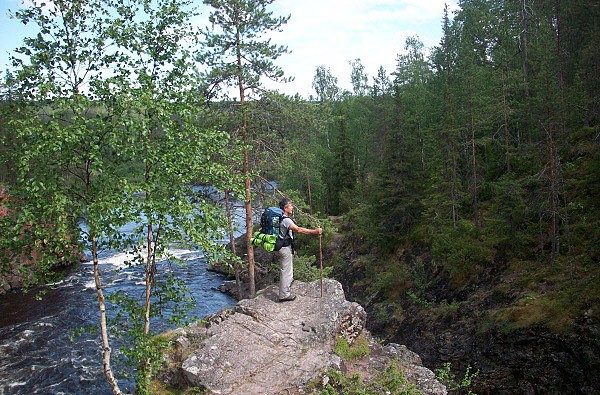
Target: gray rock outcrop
x=263 y=346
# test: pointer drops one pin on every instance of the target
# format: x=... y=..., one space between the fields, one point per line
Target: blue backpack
x=270 y=220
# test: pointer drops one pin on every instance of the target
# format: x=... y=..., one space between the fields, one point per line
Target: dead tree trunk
x=473 y=158
x=553 y=196
x=310 y=206
x=506 y=136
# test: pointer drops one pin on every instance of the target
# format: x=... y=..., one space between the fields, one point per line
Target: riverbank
x=24 y=261
x=266 y=271
x=524 y=328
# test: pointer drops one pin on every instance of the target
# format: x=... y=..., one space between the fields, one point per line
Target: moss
x=502 y=293
x=358 y=349
x=523 y=315
x=172 y=358
x=556 y=309
x=399 y=314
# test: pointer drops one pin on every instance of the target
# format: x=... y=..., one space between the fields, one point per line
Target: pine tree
x=235 y=55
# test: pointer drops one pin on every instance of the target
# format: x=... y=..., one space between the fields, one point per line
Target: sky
x=331 y=33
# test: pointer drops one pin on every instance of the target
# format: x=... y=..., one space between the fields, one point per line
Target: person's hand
x=319 y=231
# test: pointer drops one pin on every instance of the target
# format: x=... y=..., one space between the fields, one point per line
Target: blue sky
x=11 y=32
x=319 y=32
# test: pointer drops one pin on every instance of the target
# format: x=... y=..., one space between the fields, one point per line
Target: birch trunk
x=112 y=381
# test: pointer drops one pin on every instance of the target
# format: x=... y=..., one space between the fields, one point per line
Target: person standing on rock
x=287 y=231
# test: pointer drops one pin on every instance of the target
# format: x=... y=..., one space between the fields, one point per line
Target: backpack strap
x=286 y=237
x=288 y=228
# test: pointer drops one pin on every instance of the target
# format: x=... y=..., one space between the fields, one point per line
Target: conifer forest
x=458 y=192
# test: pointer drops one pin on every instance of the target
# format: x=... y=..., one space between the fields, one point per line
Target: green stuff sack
x=265 y=237
x=264 y=241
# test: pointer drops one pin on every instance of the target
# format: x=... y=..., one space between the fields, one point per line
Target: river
x=37 y=351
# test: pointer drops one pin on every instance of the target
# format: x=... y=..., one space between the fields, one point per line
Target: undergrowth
x=453 y=384
x=307 y=269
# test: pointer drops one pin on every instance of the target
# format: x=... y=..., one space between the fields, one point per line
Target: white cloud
x=334 y=32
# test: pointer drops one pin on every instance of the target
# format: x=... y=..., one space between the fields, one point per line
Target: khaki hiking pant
x=286 y=274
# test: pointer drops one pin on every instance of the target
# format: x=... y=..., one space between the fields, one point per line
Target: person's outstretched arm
x=299 y=229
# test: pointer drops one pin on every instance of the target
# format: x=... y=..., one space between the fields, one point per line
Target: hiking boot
x=288 y=298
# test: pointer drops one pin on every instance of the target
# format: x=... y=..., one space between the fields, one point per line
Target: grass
x=557 y=310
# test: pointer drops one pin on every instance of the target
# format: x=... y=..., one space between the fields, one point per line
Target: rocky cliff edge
x=262 y=346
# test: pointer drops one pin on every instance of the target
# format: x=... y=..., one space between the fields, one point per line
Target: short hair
x=284 y=202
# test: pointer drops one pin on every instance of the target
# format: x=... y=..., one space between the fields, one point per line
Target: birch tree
x=114 y=148
x=63 y=145
x=154 y=96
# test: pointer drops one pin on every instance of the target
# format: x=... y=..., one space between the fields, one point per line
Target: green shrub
x=461 y=252
x=392 y=278
x=306 y=270
x=422 y=233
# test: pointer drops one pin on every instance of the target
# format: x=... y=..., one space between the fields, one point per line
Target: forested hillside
x=483 y=152
x=466 y=179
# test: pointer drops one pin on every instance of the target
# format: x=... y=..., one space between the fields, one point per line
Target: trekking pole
x=321 y=263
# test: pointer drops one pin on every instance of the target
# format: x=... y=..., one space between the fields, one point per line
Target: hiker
x=287 y=230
